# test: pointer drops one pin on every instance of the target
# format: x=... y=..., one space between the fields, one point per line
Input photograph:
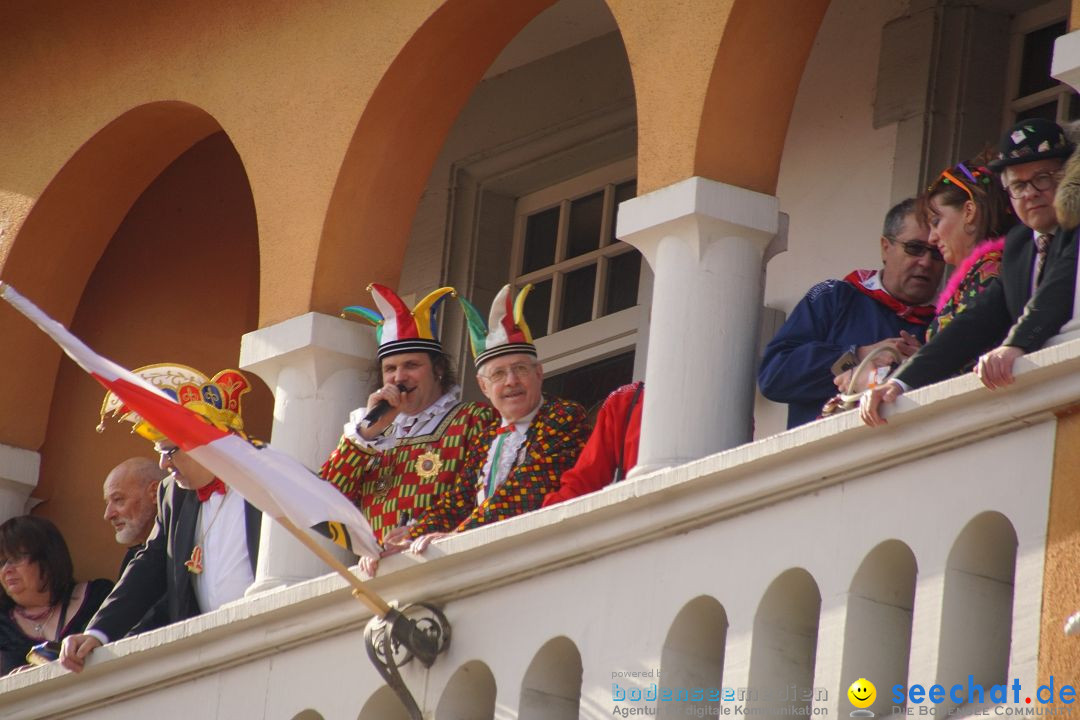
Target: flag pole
x=360 y=591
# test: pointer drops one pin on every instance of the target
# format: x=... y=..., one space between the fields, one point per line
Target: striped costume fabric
x=552 y=443
x=396 y=486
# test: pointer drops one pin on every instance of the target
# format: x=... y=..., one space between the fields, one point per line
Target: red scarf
x=868 y=282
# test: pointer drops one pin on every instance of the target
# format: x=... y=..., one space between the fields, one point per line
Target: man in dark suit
x=130 y=492
x=1032 y=298
x=202 y=550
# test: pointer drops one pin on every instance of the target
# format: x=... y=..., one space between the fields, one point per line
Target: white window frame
x=1027 y=22
x=603 y=336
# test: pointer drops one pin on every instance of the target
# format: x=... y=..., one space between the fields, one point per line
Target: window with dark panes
x=579 y=270
x=565 y=246
x=1033 y=93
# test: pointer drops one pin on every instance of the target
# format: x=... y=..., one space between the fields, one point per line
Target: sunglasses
x=917 y=249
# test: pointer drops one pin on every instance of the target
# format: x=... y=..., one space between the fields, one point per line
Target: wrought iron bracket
x=416 y=631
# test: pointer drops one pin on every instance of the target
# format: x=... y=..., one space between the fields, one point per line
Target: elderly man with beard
x=202 y=550
x=130 y=492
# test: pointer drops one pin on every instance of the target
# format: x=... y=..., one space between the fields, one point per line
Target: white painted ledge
x=734 y=482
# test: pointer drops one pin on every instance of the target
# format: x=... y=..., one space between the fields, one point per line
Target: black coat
x=158 y=568
x=15 y=644
x=1006 y=312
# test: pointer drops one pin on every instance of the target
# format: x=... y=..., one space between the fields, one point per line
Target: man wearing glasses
x=521 y=458
x=1032 y=298
x=839 y=322
x=202 y=549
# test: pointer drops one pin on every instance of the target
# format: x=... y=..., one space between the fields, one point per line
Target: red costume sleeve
x=595 y=467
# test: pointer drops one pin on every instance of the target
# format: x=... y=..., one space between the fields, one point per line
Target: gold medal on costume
x=428 y=465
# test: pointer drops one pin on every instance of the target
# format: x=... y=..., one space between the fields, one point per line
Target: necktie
x=1042 y=244
x=215 y=486
x=502 y=432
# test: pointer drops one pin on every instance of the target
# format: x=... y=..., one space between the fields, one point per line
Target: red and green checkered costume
x=400 y=484
x=552 y=443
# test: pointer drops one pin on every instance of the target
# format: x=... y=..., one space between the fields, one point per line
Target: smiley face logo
x=862 y=693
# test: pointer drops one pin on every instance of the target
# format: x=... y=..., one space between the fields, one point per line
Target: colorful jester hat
x=398 y=329
x=217 y=399
x=506 y=330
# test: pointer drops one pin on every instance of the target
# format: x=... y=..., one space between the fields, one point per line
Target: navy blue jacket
x=830 y=320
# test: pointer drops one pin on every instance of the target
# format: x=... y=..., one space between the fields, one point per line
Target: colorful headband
x=506 y=330
x=977 y=176
x=217 y=399
x=398 y=329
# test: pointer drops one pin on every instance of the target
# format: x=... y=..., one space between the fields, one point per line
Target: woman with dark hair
x=41 y=600
x=968 y=215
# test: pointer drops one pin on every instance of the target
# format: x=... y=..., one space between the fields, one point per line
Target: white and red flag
x=274 y=482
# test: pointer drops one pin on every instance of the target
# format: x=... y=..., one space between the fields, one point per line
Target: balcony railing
x=790 y=566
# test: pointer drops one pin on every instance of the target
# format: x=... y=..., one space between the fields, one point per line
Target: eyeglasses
x=917 y=249
x=501 y=375
x=1041 y=182
x=16 y=559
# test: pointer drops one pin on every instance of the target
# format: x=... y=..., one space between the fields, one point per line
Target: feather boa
x=965 y=267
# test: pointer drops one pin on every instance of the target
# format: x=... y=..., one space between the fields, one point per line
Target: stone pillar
x=704 y=241
x=19 y=471
x=319 y=368
x=1066 y=68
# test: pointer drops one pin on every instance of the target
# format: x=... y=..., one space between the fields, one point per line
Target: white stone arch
x=784 y=644
x=551 y=688
x=977 y=604
x=469 y=695
x=693 y=658
x=877 y=624
x=383 y=705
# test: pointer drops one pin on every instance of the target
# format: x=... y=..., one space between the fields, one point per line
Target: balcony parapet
x=659 y=505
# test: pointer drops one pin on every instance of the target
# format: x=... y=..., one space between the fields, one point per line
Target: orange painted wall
x=178 y=282
x=1059 y=655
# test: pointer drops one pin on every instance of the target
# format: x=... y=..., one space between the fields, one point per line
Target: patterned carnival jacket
x=552 y=443
x=400 y=484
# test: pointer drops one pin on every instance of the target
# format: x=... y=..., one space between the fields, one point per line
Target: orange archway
x=752 y=89
x=63 y=237
x=715 y=84
x=398 y=138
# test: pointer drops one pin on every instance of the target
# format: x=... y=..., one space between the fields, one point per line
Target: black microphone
x=380 y=409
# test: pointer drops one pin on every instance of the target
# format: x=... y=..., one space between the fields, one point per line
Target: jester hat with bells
x=217 y=399
x=398 y=329
x=506 y=330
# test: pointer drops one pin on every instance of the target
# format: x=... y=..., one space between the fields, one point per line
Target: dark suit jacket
x=158 y=568
x=1006 y=312
x=155 y=617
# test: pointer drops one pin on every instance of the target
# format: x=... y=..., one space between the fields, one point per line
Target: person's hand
x=369 y=565
x=870 y=402
x=393 y=397
x=907 y=345
x=420 y=544
x=75 y=649
x=995 y=368
x=842 y=380
x=396 y=540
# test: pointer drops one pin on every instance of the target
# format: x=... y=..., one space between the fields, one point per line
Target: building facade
x=211 y=183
